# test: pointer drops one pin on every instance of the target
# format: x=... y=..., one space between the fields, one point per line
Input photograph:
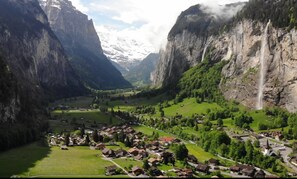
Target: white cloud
x=79 y=5
x=156 y=16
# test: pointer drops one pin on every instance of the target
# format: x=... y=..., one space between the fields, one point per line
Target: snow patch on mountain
x=122 y=47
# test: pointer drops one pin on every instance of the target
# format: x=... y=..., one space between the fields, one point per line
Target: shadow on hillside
x=18 y=161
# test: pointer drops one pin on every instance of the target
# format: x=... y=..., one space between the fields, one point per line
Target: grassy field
x=149 y=131
x=34 y=160
x=125 y=163
x=189 y=107
x=82 y=101
x=67 y=120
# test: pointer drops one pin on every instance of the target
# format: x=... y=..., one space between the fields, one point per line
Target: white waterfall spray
x=205 y=49
x=263 y=68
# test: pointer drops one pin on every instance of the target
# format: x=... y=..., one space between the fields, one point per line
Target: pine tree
x=95 y=136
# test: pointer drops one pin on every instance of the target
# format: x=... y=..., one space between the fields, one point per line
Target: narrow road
x=266 y=172
x=108 y=159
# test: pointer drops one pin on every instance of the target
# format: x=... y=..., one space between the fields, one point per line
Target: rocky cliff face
x=82 y=44
x=32 y=51
x=254 y=50
x=187 y=39
x=34 y=68
x=244 y=47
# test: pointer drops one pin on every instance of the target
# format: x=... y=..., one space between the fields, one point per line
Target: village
x=152 y=152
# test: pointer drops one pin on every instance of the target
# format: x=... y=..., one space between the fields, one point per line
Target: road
x=109 y=159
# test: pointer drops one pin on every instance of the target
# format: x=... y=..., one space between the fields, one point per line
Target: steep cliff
x=259 y=48
x=187 y=39
x=34 y=69
x=82 y=44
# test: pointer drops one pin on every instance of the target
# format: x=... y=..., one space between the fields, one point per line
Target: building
x=110 y=170
x=137 y=170
x=108 y=152
x=213 y=162
x=202 y=168
x=153 y=162
x=100 y=146
x=267 y=150
x=260 y=174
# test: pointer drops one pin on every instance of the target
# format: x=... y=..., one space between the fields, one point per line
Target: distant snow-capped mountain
x=121 y=48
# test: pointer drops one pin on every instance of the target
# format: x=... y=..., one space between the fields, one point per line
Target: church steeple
x=267 y=144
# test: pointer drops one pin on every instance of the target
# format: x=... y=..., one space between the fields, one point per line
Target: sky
x=148 y=21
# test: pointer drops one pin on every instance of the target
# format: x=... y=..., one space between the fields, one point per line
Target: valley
x=114 y=113
x=96 y=89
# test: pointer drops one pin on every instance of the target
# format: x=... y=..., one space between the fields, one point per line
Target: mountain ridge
x=83 y=46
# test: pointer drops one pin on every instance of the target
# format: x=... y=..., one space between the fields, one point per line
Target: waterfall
x=205 y=49
x=263 y=68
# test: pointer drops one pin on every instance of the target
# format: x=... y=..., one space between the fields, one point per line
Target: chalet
x=121 y=153
x=235 y=169
x=100 y=146
x=110 y=170
x=260 y=174
x=248 y=171
x=185 y=173
x=137 y=170
x=167 y=140
x=213 y=162
x=133 y=151
x=202 y=168
x=108 y=152
x=155 y=171
x=153 y=162
x=139 y=157
x=192 y=158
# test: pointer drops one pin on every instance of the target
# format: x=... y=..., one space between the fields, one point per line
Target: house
x=110 y=170
x=168 y=140
x=138 y=157
x=100 y=146
x=121 y=153
x=108 y=152
x=185 y=173
x=235 y=169
x=153 y=161
x=133 y=151
x=260 y=174
x=248 y=170
x=213 y=162
x=192 y=158
x=202 y=168
x=137 y=170
x=155 y=171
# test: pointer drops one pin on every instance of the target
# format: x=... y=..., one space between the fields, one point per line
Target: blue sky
x=146 y=20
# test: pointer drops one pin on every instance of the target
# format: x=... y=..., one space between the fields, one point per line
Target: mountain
x=187 y=39
x=122 y=48
x=258 y=47
x=33 y=69
x=119 y=67
x=82 y=44
x=141 y=74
